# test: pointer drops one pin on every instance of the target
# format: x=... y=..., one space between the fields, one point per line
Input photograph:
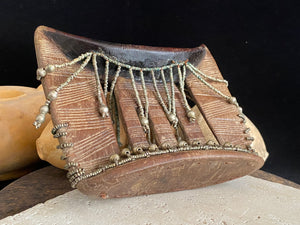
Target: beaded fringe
x=169 y=109
x=167 y=105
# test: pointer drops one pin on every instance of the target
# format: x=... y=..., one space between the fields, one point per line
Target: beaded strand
x=75 y=173
x=103 y=109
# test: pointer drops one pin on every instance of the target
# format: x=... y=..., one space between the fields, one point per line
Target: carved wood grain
x=77 y=105
x=128 y=112
x=221 y=116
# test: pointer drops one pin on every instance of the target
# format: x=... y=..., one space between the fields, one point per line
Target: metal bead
x=40 y=118
x=232 y=100
x=52 y=95
x=246 y=131
x=250 y=138
x=249 y=147
x=40 y=73
x=103 y=110
x=166 y=145
x=196 y=143
x=210 y=142
x=114 y=158
x=125 y=152
x=138 y=150
x=182 y=144
x=44 y=109
x=227 y=144
x=191 y=115
x=144 y=121
x=36 y=124
x=50 y=68
x=171 y=117
x=153 y=148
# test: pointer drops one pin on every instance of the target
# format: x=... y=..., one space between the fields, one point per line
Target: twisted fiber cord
x=98 y=83
x=113 y=84
x=166 y=89
x=181 y=84
x=106 y=77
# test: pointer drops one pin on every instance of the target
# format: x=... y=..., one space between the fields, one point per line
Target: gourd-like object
x=18 y=108
x=46 y=147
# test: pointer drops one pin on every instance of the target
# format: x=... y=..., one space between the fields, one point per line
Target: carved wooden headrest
x=137 y=120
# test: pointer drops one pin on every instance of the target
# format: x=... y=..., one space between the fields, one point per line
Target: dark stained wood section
x=137 y=55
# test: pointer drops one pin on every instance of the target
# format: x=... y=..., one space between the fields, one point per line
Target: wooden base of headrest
x=171 y=172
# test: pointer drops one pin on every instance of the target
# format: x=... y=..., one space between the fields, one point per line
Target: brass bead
x=172 y=117
x=144 y=121
x=44 y=109
x=191 y=115
x=196 y=143
x=227 y=144
x=37 y=124
x=210 y=142
x=114 y=158
x=182 y=144
x=40 y=118
x=40 y=73
x=166 y=145
x=50 y=68
x=246 y=131
x=250 y=138
x=52 y=95
x=249 y=147
x=138 y=150
x=153 y=148
x=125 y=152
x=103 y=109
x=232 y=100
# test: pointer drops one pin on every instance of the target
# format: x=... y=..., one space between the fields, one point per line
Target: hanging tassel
x=103 y=109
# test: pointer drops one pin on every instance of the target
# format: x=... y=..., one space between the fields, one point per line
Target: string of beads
x=75 y=173
x=170 y=110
